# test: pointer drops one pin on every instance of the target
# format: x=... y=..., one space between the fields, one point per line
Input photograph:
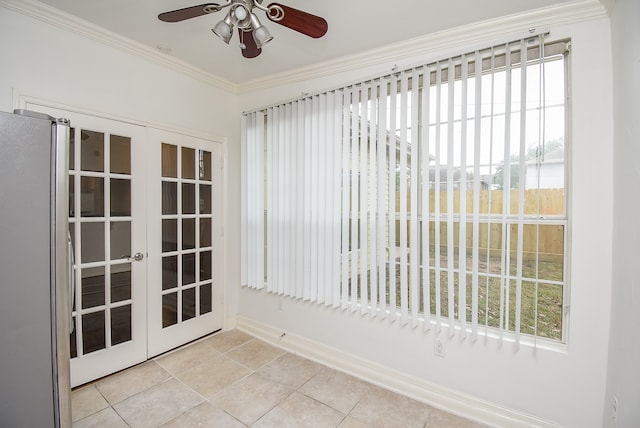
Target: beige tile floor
x=231 y=379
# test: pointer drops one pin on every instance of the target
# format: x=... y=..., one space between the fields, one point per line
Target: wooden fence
x=547 y=240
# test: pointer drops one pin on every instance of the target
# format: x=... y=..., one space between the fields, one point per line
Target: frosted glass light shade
x=260 y=33
x=223 y=30
x=240 y=12
x=262 y=36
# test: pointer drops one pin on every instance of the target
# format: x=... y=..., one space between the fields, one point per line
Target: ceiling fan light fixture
x=224 y=29
x=240 y=12
x=261 y=34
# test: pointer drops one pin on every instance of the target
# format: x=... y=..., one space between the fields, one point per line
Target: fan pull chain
x=242 y=45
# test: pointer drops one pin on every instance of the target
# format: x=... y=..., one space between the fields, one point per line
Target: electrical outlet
x=614 y=410
x=438 y=347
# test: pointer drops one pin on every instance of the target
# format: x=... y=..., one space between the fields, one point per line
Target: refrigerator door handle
x=72 y=282
x=59 y=298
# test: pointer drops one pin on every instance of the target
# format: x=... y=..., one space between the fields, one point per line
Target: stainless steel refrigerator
x=34 y=271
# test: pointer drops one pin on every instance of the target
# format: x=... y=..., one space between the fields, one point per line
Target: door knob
x=136 y=257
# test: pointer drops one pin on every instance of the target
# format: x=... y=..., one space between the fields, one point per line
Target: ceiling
x=355 y=26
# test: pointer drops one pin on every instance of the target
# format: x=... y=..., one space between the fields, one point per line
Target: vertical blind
x=420 y=196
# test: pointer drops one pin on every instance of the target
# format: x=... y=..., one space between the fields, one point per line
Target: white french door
x=107 y=227
x=185 y=237
x=146 y=228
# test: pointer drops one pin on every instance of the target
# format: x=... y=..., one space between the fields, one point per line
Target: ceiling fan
x=253 y=35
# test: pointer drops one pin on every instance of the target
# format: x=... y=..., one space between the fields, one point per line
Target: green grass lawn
x=541 y=305
x=547 y=297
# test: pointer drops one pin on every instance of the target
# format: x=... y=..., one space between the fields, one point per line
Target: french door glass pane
x=92 y=242
x=205 y=299
x=169 y=235
x=120 y=197
x=120 y=154
x=205 y=265
x=93 y=337
x=92 y=196
x=169 y=198
x=188 y=233
x=204 y=158
x=72 y=197
x=169 y=272
x=120 y=239
x=72 y=152
x=120 y=324
x=93 y=281
x=188 y=198
x=188 y=269
x=205 y=232
x=205 y=199
x=120 y=282
x=92 y=151
x=188 y=304
x=169 y=161
x=169 y=309
x=188 y=163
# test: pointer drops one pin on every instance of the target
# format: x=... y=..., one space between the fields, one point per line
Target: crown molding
x=478 y=35
x=608 y=4
x=60 y=19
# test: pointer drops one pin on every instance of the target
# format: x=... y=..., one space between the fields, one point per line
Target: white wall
x=41 y=60
x=47 y=62
x=565 y=387
x=624 y=344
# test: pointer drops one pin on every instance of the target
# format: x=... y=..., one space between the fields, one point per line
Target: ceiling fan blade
x=251 y=49
x=302 y=22
x=189 y=12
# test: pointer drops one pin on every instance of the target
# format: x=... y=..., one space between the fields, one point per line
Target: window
x=434 y=196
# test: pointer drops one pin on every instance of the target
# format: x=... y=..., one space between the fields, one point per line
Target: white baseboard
x=437 y=396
